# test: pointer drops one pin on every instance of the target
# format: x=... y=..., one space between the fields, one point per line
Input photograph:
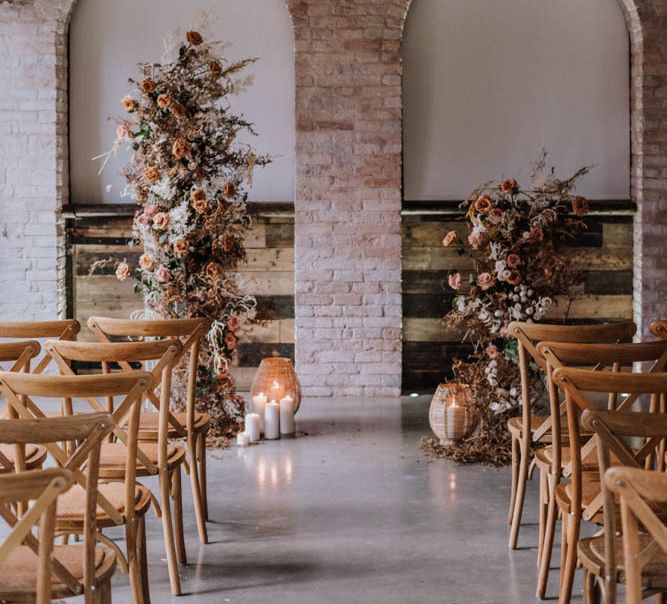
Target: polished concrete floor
x=352 y=512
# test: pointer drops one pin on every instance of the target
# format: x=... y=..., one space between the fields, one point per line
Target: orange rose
x=161 y=220
x=200 y=206
x=228 y=242
x=147 y=85
x=151 y=174
x=213 y=270
x=194 y=37
x=514 y=278
x=580 y=206
x=181 y=247
x=180 y=148
x=229 y=190
x=129 y=103
x=483 y=204
x=147 y=262
x=215 y=68
x=123 y=271
x=509 y=186
x=164 y=101
x=177 y=109
x=449 y=239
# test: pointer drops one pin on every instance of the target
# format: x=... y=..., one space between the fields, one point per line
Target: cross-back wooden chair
x=581 y=498
x=530 y=431
x=191 y=424
x=644 y=551
x=29 y=456
x=121 y=503
x=600 y=555
x=659 y=329
x=153 y=458
x=74 y=569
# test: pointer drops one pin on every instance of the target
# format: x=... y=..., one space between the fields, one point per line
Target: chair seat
x=545 y=455
x=515 y=424
x=148 y=424
x=592 y=555
x=34 y=456
x=113 y=458
x=590 y=489
x=72 y=504
x=18 y=572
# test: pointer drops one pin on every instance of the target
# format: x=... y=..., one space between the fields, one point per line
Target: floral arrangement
x=516 y=239
x=188 y=174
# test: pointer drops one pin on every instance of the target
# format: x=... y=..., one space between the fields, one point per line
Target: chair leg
x=177 y=495
x=142 y=556
x=515 y=477
x=197 y=500
x=567 y=572
x=543 y=505
x=102 y=593
x=168 y=533
x=201 y=455
x=133 y=564
x=520 y=495
x=548 y=544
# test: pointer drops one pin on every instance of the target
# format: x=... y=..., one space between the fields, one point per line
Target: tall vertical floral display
x=189 y=175
x=517 y=240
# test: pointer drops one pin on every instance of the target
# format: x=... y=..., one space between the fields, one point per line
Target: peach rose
x=229 y=190
x=213 y=270
x=580 y=206
x=147 y=85
x=475 y=240
x=164 y=101
x=492 y=351
x=123 y=271
x=454 y=280
x=147 y=262
x=230 y=341
x=496 y=215
x=485 y=281
x=161 y=221
x=181 y=247
x=194 y=37
x=180 y=148
x=129 y=103
x=514 y=278
x=513 y=260
x=150 y=209
x=509 y=186
x=233 y=323
x=483 y=204
x=449 y=238
x=151 y=174
x=122 y=131
x=228 y=242
x=162 y=274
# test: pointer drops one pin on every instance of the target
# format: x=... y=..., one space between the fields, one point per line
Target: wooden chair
x=644 y=552
x=30 y=456
x=659 y=329
x=121 y=503
x=603 y=566
x=581 y=498
x=530 y=431
x=153 y=458
x=191 y=424
x=61 y=571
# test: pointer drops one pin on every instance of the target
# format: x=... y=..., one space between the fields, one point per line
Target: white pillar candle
x=276 y=391
x=252 y=426
x=287 y=415
x=258 y=404
x=243 y=439
x=272 y=421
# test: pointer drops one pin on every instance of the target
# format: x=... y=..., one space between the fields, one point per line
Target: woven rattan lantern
x=450 y=414
x=277 y=379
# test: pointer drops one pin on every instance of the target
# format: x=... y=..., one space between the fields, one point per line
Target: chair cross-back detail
x=189 y=332
x=76 y=569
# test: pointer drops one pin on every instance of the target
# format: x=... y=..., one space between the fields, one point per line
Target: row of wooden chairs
x=137 y=443
x=579 y=449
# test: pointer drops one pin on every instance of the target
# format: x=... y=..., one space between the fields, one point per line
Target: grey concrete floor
x=352 y=512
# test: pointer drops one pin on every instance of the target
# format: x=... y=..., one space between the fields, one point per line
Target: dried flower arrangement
x=189 y=174
x=516 y=238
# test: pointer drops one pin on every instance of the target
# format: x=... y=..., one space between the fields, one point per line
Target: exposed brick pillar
x=348 y=195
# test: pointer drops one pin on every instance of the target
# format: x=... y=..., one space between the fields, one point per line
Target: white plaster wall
x=488 y=83
x=109 y=38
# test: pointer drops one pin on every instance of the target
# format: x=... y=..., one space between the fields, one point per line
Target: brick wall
x=348 y=181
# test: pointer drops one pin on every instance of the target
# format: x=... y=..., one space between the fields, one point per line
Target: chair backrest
x=637 y=489
x=614 y=431
x=82 y=466
x=20 y=390
x=659 y=329
x=42 y=487
x=19 y=354
x=189 y=331
x=165 y=352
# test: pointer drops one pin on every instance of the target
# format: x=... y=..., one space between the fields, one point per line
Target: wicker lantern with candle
x=450 y=415
x=276 y=379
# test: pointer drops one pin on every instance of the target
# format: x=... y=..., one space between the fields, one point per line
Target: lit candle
x=287 y=416
x=276 y=391
x=252 y=426
x=455 y=421
x=258 y=404
x=243 y=439
x=272 y=421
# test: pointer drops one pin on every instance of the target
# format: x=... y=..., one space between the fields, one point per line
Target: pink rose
x=233 y=323
x=122 y=131
x=142 y=219
x=485 y=281
x=454 y=280
x=162 y=274
x=230 y=341
x=535 y=234
x=475 y=240
x=504 y=332
x=150 y=209
x=513 y=260
x=492 y=351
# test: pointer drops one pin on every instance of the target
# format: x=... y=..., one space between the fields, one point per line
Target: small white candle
x=272 y=421
x=258 y=404
x=287 y=415
x=276 y=391
x=243 y=439
x=252 y=426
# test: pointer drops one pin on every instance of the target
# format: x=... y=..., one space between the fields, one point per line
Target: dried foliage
x=189 y=174
x=516 y=239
